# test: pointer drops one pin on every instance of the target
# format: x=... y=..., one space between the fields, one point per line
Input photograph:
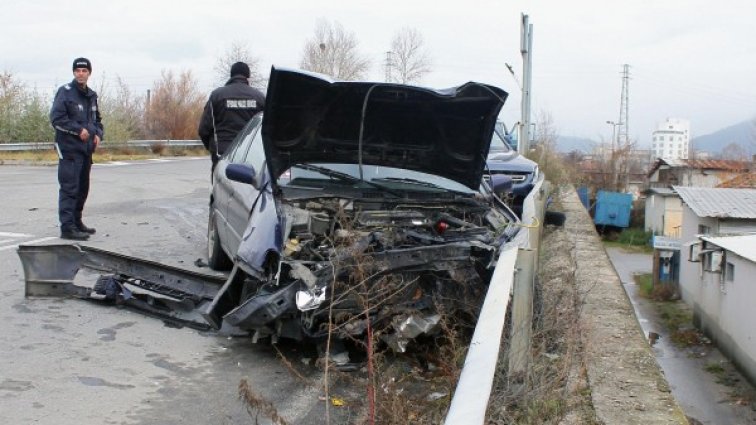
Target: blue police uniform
x=73 y=110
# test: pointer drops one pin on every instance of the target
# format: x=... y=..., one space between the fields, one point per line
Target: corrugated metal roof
x=709 y=164
x=743 y=245
x=719 y=202
x=701 y=164
x=742 y=181
x=663 y=191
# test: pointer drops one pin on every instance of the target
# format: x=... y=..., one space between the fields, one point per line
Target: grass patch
x=715 y=368
x=645 y=284
x=646 y=288
x=678 y=319
x=631 y=240
x=635 y=237
x=636 y=249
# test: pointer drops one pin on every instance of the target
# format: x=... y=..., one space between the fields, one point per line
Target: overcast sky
x=692 y=59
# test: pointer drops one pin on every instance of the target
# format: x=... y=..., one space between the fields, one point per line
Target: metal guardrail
x=21 y=147
x=516 y=266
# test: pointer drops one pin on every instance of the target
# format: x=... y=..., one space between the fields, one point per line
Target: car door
x=223 y=188
x=243 y=195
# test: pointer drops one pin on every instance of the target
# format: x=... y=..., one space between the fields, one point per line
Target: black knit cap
x=82 y=63
x=240 y=68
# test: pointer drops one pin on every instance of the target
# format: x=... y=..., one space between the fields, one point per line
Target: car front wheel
x=216 y=257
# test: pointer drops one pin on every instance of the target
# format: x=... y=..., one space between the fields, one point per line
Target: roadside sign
x=663 y=242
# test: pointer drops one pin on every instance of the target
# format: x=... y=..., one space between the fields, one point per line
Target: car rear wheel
x=216 y=257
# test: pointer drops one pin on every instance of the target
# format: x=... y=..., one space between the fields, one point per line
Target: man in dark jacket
x=78 y=130
x=227 y=110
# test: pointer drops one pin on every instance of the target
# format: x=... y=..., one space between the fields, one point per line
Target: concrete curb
x=627 y=386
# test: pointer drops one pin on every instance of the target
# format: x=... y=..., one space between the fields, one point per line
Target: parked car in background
x=350 y=206
x=505 y=160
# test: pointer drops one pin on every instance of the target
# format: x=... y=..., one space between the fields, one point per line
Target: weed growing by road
x=556 y=385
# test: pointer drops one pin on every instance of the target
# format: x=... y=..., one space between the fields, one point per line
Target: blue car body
x=504 y=160
x=335 y=177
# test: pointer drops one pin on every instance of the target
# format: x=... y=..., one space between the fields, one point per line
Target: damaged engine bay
x=393 y=267
x=348 y=265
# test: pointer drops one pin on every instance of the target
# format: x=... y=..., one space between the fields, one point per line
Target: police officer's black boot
x=74 y=235
x=85 y=229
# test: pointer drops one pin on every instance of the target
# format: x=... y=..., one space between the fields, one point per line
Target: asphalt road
x=697 y=391
x=67 y=361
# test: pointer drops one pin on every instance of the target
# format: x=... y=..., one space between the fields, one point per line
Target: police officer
x=78 y=130
x=227 y=110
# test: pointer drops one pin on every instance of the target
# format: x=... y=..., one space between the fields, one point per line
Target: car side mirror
x=501 y=183
x=243 y=173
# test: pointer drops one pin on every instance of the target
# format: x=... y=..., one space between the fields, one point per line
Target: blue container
x=582 y=193
x=613 y=208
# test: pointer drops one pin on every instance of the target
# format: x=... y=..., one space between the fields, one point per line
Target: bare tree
x=734 y=151
x=11 y=93
x=408 y=61
x=333 y=51
x=239 y=51
x=175 y=107
x=23 y=112
x=122 y=111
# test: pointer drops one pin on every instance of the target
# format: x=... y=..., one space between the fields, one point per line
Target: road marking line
x=14 y=235
x=5 y=248
x=113 y=164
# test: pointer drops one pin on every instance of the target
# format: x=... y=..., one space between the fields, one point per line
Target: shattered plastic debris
x=340 y=358
x=309 y=301
x=408 y=328
x=435 y=396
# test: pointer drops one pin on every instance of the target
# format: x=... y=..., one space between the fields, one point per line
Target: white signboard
x=663 y=242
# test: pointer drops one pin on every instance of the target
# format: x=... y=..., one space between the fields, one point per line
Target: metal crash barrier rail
x=22 y=147
x=513 y=278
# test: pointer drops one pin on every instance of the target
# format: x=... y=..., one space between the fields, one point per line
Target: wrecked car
x=349 y=208
x=504 y=159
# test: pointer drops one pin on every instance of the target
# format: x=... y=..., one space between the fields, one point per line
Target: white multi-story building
x=671 y=140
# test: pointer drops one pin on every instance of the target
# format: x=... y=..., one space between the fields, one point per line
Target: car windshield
x=498 y=144
x=389 y=178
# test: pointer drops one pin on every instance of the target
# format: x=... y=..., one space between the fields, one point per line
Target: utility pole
x=388 y=64
x=612 y=158
x=623 y=134
x=624 y=119
x=526 y=48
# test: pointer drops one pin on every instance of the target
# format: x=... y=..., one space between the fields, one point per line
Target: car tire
x=216 y=257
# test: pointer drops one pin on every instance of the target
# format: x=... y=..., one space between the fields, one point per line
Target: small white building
x=671 y=139
x=719 y=234
x=694 y=172
x=663 y=212
x=723 y=296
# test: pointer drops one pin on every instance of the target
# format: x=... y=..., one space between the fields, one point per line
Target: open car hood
x=310 y=118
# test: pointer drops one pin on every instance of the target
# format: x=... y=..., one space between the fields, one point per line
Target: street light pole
x=526 y=49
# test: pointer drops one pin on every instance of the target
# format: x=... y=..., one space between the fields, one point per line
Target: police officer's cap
x=82 y=63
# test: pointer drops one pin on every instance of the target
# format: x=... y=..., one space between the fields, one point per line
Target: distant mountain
x=566 y=144
x=744 y=134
